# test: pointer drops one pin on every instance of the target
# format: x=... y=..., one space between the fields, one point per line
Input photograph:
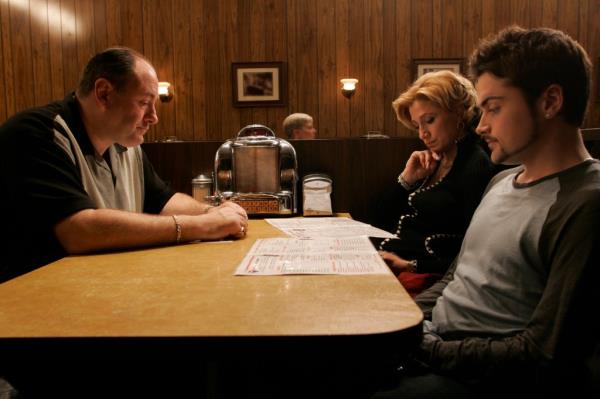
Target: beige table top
x=190 y=291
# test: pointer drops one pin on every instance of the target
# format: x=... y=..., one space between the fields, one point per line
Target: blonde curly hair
x=448 y=90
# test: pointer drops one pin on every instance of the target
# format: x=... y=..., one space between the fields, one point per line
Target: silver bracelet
x=177 y=229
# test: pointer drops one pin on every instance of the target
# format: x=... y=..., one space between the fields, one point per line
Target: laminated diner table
x=184 y=301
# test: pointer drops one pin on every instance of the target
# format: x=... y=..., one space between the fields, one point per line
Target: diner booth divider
x=363 y=170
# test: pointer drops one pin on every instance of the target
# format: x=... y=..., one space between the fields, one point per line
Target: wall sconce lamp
x=349 y=87
x=165 y=92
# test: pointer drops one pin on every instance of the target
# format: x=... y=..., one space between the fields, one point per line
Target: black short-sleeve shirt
x=40 y=184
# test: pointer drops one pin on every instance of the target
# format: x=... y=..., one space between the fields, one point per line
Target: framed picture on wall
x=259 y=84
x=421 y=66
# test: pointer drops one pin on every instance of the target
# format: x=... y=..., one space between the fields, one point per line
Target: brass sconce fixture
x=348 y=87
x=165 y=91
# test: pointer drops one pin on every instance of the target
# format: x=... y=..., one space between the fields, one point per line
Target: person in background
x=441 y=186
x=74 y=178
x=299 y=126
x=515 y=312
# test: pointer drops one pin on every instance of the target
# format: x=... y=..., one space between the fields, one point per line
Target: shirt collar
x=72 y=115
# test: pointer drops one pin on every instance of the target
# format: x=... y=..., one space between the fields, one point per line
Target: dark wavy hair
x=532 y=60
x=114 y=64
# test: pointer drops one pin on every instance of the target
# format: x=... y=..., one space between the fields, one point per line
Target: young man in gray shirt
x=512 y=310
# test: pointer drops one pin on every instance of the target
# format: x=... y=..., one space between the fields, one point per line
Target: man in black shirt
x=74 y=179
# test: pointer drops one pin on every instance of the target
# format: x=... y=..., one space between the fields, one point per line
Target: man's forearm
x=97 y=229
x=185 y=205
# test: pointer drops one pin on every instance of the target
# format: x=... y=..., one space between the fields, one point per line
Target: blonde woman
x=441 y=186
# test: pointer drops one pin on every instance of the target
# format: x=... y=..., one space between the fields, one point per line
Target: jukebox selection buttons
x=258 y=206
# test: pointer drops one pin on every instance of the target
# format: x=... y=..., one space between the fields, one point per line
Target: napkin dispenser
x=316 y=195
x=258 y=171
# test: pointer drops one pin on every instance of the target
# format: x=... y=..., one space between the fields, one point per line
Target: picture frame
x=259 y=84
x=422 y=66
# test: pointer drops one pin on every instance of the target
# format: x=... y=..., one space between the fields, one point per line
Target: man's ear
x=551 y=101
x=103 y=90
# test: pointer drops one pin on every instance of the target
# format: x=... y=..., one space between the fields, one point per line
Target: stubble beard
x=515 y=157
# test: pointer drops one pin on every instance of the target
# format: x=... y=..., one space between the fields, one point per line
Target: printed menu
x=273 y=256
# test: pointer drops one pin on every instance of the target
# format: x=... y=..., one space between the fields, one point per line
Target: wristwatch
x=412 y=266
x=407 y=186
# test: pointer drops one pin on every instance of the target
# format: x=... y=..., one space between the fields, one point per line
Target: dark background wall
x=44 y=45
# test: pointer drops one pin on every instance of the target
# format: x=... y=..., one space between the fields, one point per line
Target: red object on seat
x=415 y=283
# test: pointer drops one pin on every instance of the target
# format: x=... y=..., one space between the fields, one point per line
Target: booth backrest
x=362 y=170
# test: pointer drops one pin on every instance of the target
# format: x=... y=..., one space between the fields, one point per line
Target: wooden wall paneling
x=325 y=120
x=4 y=45
x=230 y=116
x=422 y=29
x=71 y=71
x=583 y=23
x=537 y=10
x=502 y=14
x=390 y=67
x=199 y=58
x=158 y=47
x=568 y=17
x=342 y=63
x=276 y=45
x=550 y=14
x=214 y=71
x=56 y=51
x=34 y=53
x=593 y=48
x=520 y=13
x=374 y=106
x=244 y=52
x=100 y=26
x=356 y=51
x=488 y=24
x=452 y=29
x=471 y=27
x=437 y=24
x=84 y=33
x=132 y=25
x=292 y=57
x=404 y=51
x=41 y=55
x=593 y=36
x=182 y=103
x=306 y=62
x=258 y=53
x=21 y=56
x=114 y=34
